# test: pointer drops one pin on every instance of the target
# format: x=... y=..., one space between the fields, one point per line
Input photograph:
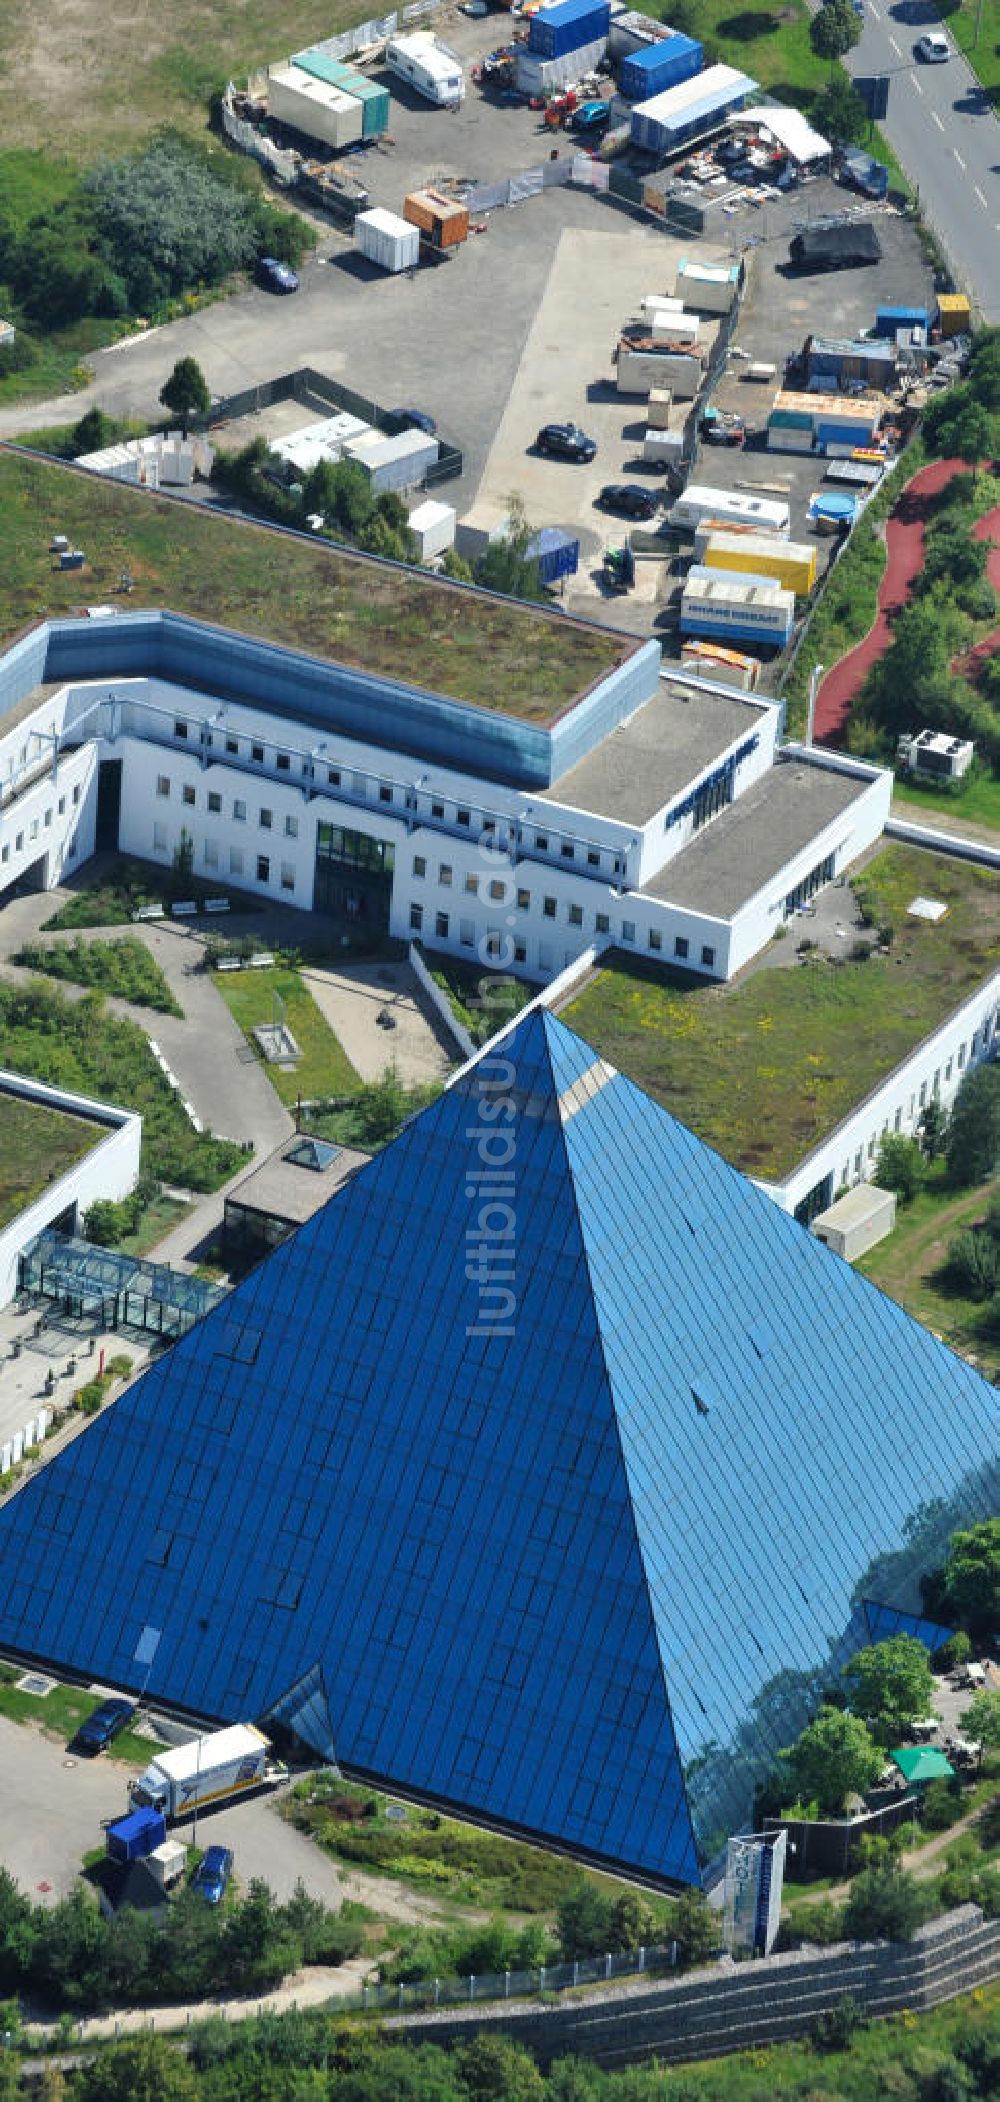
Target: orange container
x=441 y=221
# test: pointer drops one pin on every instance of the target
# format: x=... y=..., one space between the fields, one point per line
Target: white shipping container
x=433 y=526
x=387 y=240
x=541 y=76
x=710 y=288
x=393 y=463
x=658 y=409
x=660 y=302
x=166 y=1864
x=723 y=605
x=675 y=328
x=699 y=501
x=662 y=445
x=313 y=107
x=481 y=526
x=640 y=370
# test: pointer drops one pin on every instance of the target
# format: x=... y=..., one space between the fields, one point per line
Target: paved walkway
x=351 y=1000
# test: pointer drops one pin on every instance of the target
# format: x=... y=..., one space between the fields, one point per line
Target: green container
x=373 y=98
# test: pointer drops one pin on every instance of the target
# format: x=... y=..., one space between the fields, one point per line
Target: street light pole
x=814 y=679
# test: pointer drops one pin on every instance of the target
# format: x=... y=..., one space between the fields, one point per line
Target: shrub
x=941 y=1805
x=836 y=2028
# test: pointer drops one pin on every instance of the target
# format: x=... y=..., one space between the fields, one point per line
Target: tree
x=144 y=2069
x=93 y=431
x=981 y=1719
x=507 y=565
x=832 y=1759
x=696 y=1927
x=583 y=1922
x=186 y=393
x=974 y=1265
x=900 y=1166
x=839 y=112
x=834 y=30
x=966 y=1591
x=885 y=1903
x=494 y=2069
x=972 y=1149
x=890 y=1685
x=633 y=1922
x=958 y=425
x=933 y=1126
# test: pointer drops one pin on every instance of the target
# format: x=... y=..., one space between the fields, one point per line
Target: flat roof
x=648 y=760
x=282 y=1189
x=736 y=855
x=39 y=1143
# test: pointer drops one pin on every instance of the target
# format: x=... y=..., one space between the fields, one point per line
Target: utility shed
x=857 y=1221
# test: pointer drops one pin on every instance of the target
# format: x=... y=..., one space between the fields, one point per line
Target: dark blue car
x=212 y=1874
x=103 y=1726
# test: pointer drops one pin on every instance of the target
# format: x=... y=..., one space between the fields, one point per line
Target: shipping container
x=556 y=552
x=168 y=1863
x=791 y=563
x=658 y=409
x=708 y=527
x=427 y=66
x=387 y=240
x=660 y=303
x=699 y=501
x=662 y=447
x=567 y=26
x=954 y=314
x=313 y=108
x=480 y=527
x=433 y=527
x=783 y=440
x=708 y=288
x=372 y=94
x=738 y=611
x=639 y=370
x=659 y=66
x=546 y=76
x=629 y=31
x=394 y=463
x=304 y=449
x=889 y=319
x=686 y=112
x=132 y=1838
x=442 y=223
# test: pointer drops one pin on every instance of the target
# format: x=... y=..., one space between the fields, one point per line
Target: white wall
x=109 y=1170
x=845 y=838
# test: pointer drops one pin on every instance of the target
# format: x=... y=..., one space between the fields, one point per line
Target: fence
x=367 y=34
x=617 y=185
x=283 y=166
x=513 y=1985
x=315 y=390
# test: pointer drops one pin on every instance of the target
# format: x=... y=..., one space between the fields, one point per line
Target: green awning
x=922 y=1762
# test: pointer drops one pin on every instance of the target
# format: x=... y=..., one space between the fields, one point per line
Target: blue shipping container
x=889 y=319
x=556 y=553
x=567 y=27
x=133 y=1837
x=659 y=66
x=663 y=131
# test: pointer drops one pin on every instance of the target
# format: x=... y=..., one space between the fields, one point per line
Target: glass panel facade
x=572 y=1494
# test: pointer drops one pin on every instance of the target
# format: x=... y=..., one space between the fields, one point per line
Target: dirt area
x=351 y=1001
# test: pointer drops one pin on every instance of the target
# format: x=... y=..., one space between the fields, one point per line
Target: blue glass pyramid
x=542 y=1474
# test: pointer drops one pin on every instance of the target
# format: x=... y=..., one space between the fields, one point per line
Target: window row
x=235 y=747
x=602 y=925
x=213 y=803
x=258 y=867
x=38 y=825
x=928 y=1091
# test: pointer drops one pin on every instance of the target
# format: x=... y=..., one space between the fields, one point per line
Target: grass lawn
x=323 y=1068
x=809 y=1040
x=527 y=661
x=482 y=1001
x=61 y=1712
x=978 y=804
x=909 y=1264
x=158 y=1219
x=984 y=55
x=37 y=1144
x=124 y=967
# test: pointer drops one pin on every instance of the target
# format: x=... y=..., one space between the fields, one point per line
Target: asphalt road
x=946 y=136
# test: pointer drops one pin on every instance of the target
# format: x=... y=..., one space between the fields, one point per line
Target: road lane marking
x=895 y=47
x=959 y=159
x=937 y=120
x=981 y=198
x=916 y=84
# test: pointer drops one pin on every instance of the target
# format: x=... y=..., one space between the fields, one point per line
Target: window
x=857 y=1164
x=708 y=958
x=520 y=953
x=619 y=865
x=437 y=809
x=575 y=915
x=544 y=956
x=284 y=763
x=463 y=816
x=948 y=1067
x=441 y=926
x=214 y=802
x=498 y=889
x=232 y=745
x=76 y=793
x=4 y=853
x=257 y=754
x=542 y=842
x=444 y=874
x=288 y=875
x=291 y=828
x=472 y=885
x=680 y=945
x=159 y=839
x=239 y=811
x=467 y=934
x=263 y=869
x=48 y=815
x=897 y=1122
x=333 y=776
x=187 y=794
x=602 y=923
x=548 y=908
x=567 y=850
x=655 y=938
x=33 y=829
x=384 y=792
x=524 y=901
x=923 y=1093
x=419 y=865
x=236 y=861
x=628 y=930
x=961 y=1056
x=416 y=918
x=211 y=853
x=62 y=806
x=163 y=784
x=19 y=843
x=180 y=729
x=265 y=820
x=593 y=858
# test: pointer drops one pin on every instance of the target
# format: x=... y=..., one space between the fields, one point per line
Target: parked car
x=566 y=442
x=591 y=116
x=102 y=1726
x=933 y=48
x=211 y=1877
x=627 y=500
x=275 y=276
x=417 y=419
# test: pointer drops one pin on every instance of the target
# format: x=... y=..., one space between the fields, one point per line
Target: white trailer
x=386 y=239
x=315 y=108
x=699 y=501
x=427 y=66
x=206 y=1770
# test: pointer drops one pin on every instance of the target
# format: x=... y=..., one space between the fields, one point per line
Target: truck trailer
x=207 y=1770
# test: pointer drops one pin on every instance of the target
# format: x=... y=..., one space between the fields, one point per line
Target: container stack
x=660 y=66
x=791 y=563
x=699 y=105
x=387 y=240
x=833 y=424
x=630 y=32
x=314 y=108
x=645 y=362
x=373 y=97
x=737 y=609
x=566 y=41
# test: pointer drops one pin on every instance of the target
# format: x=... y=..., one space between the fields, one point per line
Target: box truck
x=207 y=1770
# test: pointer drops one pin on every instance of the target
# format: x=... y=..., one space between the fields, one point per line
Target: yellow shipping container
x=792 y=563
x=954 y=313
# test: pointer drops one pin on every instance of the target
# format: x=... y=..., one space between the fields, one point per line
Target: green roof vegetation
x=37 y=1145
x=765 y=1068
x=402 y=624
